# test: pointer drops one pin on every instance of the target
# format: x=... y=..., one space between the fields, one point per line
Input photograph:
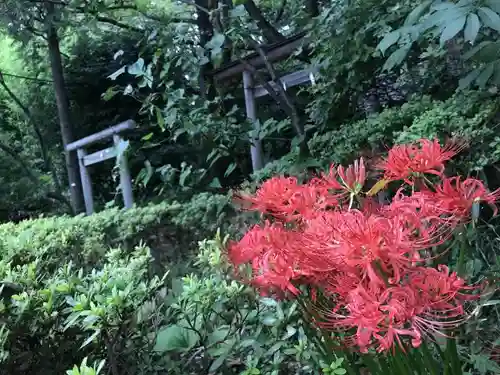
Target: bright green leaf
x=471 y=28
x=452 y=29
x=175 y=338
x=389 y=40
x=490 y=18
x=147 y=137
x=417 y=13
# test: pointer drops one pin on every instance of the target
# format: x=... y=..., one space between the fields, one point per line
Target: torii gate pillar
x=85 y=160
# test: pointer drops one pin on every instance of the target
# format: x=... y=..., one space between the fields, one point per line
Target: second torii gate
x=115 y=151
x=275 y=52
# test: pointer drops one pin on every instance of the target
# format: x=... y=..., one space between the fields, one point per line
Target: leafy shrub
x=64 y=295
x=218 y=325
x=69 y=300
x=470 y=115
x=344 y=144
x=55 y=319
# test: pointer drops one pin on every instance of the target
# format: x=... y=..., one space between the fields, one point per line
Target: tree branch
x=119 y=24
x=29 y=173
x=268 y=31
x=276 y=79
x=48 y=166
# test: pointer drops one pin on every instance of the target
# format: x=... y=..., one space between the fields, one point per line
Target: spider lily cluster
x=365 y=264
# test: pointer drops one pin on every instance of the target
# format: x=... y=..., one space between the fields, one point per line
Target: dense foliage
x=115 y=304
x=384 y=73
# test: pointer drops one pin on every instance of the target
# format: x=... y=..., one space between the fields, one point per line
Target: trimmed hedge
x=169 y=229
x=76 y=287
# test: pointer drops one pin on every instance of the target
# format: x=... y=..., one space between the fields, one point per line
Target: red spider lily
x=367 y=261
x=285 y=199
x=423 y=306
x=457 y=197
x=353 y=178
x=424 y=156
x=271 y=252
x=343 y=181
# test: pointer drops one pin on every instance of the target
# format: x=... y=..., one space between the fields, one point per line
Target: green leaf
x=416 y=13
x=175 y=338
x=147 y=137
x=485 y=75
x=269 y=302
x=269 y=320
x=484 y=365
x=473 y=51
x=137 y=68
x=491 y=302
x=290 y=331
x=219 y=361
x=277 y=346
x=396 y=58
x=452 y=29
x=159 y=118
x=91 y=338
x=471 y=28
x=490 y=18
x=215 y=44
x=238 y=11
x=388 y=40
x=468 y=79
x=230 y=169
x=215 y=184
x=218 y=335
x=494 y=5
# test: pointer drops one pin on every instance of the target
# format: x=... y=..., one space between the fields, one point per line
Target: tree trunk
x=225 y=21
x=268 y=31
x=313 y=7
x=63 y=112
x=206 y=31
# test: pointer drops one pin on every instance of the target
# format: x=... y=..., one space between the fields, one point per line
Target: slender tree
x=27 y=19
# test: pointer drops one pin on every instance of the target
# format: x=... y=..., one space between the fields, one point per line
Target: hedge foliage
x=165 y=227
x=72 y=287
x=80 y=296
x=468 y=115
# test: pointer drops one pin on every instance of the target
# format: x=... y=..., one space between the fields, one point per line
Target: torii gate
x=85 y=160
x=275 y=52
